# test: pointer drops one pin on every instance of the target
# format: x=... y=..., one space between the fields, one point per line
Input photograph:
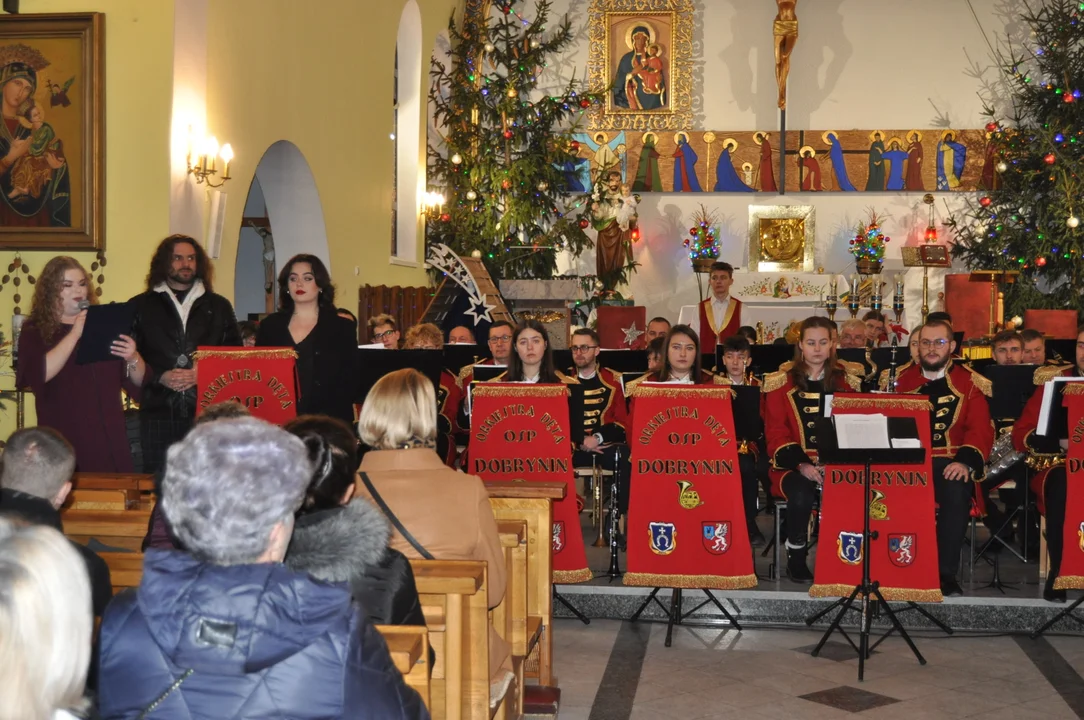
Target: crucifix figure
x=785 y=30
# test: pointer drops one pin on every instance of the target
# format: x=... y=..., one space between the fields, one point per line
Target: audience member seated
x=36 y=479
x=1007 y=347
x=657 y=327
x=384 y=329
x=1034 y=352
x=248 y=330
x=874 y=320
x=852 y=334
x=436 y=512
x=336 y=540
x=227 y=630
x=461 y=335
x=45 y=624
x=159 y=534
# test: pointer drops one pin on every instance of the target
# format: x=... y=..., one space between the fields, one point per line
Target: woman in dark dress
x=326 y=344
x=81 y=402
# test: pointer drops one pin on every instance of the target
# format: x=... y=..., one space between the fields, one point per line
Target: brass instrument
x=1044 y=461
x=596 y=512
x=1003 y=455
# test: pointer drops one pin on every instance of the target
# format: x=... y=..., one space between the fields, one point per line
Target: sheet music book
x=104 y=324
x=860 y=431
x=1051 y=393
x=372 y=346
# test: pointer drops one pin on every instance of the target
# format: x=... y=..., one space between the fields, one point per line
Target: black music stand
x=830 y=453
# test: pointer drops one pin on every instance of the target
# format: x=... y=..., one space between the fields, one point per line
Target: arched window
x=408 y=176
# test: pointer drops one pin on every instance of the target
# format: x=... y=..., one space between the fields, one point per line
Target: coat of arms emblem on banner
x=663 y=537
x=849 y=545
x=558 y=536
x=716 y=537
x=902 y=549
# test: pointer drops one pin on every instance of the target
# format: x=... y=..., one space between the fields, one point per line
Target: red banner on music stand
x=686 y=525
x=901 y=511
x=1071 y=574
x=521 y=432
x=264 y=380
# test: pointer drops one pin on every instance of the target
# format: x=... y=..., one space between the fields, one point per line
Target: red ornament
x=991 y=126
x=985 y=201
x=1049 y=159
x=693 y=231
x=506 y=184
x=445 y=217
x=635 y=234
x=507 y=134
x=1068 y=97
x=574 y=146
x=585 y=103
x=584 y=223
x=1040 y=261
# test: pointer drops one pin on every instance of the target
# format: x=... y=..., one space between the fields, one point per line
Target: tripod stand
x=674 y=616
x=1066 y=613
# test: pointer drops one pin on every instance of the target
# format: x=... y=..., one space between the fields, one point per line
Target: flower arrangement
x=868 y=245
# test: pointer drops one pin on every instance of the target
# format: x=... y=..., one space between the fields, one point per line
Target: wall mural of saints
x=817 y=161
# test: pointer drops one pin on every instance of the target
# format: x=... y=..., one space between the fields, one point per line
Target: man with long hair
x=176 y=314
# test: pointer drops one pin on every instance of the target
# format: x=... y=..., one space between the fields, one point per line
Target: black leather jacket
x=162 y=341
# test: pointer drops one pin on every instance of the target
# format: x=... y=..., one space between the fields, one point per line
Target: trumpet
x=1003 y=456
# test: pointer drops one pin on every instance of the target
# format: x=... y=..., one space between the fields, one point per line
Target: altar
x=776 y=299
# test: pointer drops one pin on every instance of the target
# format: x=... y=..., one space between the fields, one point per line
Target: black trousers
x=1054 y=490
x=801 y=494
x=747 y=465
x=953 y=516
x=995 y=516
x=156 y=434
x=612 y=456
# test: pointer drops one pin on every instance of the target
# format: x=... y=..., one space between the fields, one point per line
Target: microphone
x=84 y=304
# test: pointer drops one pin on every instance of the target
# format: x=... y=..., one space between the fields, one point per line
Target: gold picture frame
x=782 y=237
x=52 y=193
x=641 y=60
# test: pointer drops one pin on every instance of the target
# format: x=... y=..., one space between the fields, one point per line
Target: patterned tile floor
x=614 y=670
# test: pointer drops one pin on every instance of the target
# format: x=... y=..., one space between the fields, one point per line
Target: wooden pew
x=98 y=500
x=454 y=602
x=125 y=569
x=116 y=528
x=408 y=646
x=136 y=486
x=532 y=502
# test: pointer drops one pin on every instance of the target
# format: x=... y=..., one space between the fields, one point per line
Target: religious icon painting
x=52 y=183
x=902 y=549
x=558 y=536
x=716 y=537
x=663 y=537
x=641 y=58
x=849 y=546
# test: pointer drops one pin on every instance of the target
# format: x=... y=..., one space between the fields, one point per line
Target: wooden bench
x=454 y=602
x=99 y=500
x=125 y=569
x=408 y=646
x=137 y=487
x=115 y=528
x=532 y=503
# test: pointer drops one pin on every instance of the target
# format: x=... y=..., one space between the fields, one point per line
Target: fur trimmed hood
x=339 y=544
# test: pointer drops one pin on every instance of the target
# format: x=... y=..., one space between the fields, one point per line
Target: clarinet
x=892 y=366
x=615 y=569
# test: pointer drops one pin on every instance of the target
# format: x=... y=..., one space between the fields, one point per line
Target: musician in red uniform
x=604 y=416
x=1046 y=454
x=961 y=433
x=793 y=400
x=681 y=363
x=428 y=336
x=500 y=348
x=720 y=315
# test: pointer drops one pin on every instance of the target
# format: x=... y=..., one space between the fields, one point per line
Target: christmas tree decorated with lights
x=1027 y=216
x=505 y=155
x=703 y=241
x=868 y=245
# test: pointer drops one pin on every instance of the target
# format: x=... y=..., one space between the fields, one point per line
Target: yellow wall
x=317 y=74
x=138 y=99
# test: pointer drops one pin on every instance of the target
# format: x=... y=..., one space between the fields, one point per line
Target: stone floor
x=614 y=670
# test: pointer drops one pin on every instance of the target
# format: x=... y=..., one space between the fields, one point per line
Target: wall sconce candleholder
x=204 y=166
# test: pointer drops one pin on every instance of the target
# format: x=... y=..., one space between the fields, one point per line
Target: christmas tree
x=505 y=158
x=1027 y=216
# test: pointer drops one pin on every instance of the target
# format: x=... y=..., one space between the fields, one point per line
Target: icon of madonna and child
x=640 y=76
x=34 y=178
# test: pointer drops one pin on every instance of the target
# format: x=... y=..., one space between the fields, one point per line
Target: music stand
x=829 y=453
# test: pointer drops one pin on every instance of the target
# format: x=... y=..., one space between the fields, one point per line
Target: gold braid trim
x=981 y=382
x=241 y=354
x=1069 y=582
x=633 y=384
x=566 y=379
x=854 y=381
x=463 y=373
x=672 y=391
x=1074 y=388
x=691 y=582
x=773 y=381
x=835 y=590
x=520 y=391
x=564 y=577
x=854 y=368
x=890 y=594
x=1045 y=373
x=843 y=402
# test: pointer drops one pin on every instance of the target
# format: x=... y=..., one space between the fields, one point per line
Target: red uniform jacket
x=1039 y=447
x=960 y=424
x=789 y=417
x=720 y=328
x=449 y=397
x=603 y=406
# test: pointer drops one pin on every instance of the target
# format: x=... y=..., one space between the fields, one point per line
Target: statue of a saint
x=785 y=30
x=613 y=211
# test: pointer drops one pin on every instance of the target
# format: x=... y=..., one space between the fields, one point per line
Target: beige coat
x=446 y=511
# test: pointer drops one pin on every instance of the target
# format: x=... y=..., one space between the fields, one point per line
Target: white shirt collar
x=687 y=380
x=531 y=380
x=588 y=377
x=934 y=376
x=721 y=305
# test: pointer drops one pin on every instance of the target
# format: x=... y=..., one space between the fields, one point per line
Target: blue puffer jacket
x=261 y=642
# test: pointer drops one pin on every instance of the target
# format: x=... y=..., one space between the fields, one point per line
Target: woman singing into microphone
x=793 y=400
x=82 y=402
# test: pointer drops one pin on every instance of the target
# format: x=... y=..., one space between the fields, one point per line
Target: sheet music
x=862 y=432
x=828 y=405
x=372 y=346
x=906 y=443
x=1049 y=393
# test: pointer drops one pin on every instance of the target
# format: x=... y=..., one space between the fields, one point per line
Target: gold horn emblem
x=877 y=508
x=687 y=497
